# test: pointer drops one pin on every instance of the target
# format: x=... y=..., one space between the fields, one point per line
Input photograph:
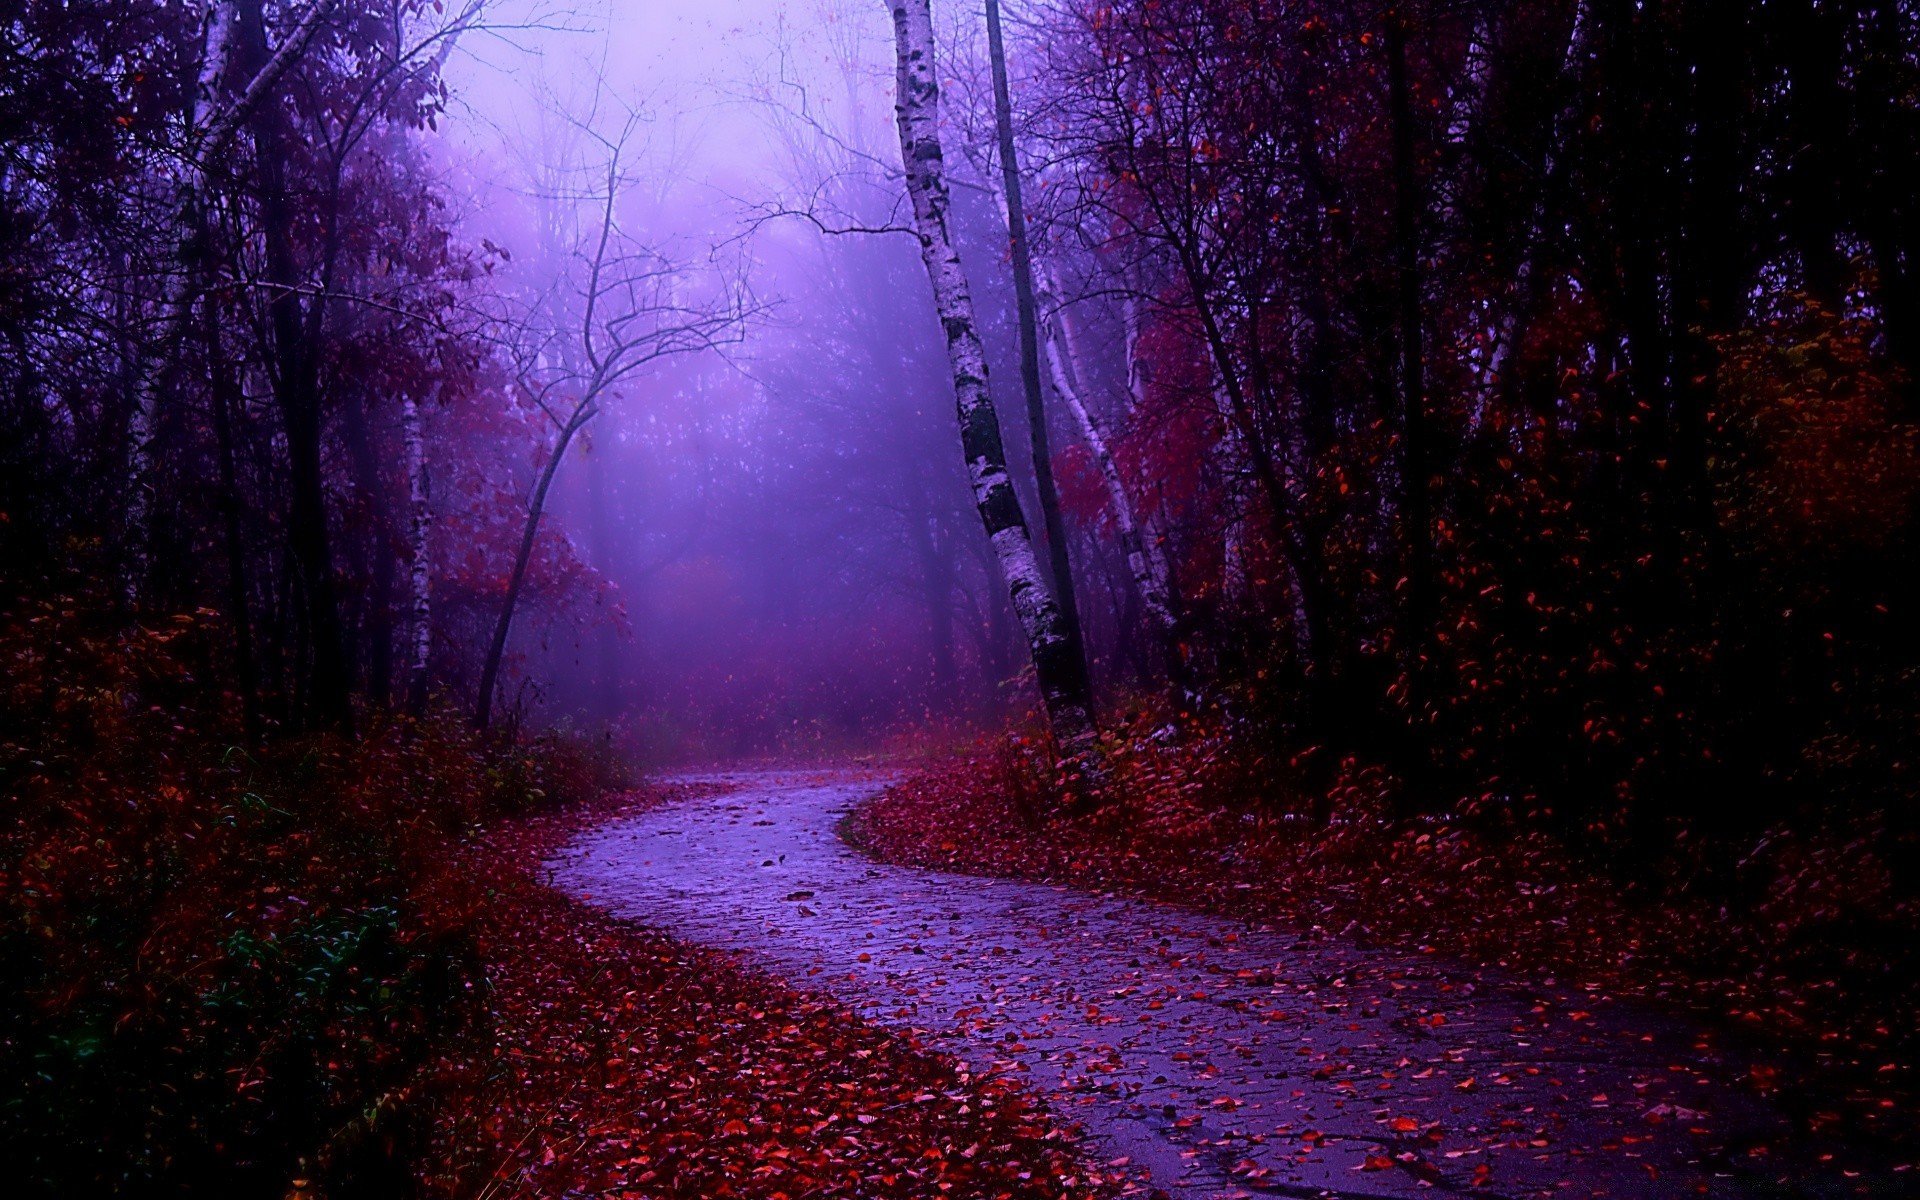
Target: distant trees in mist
x=252 y=364
x=1519 y=393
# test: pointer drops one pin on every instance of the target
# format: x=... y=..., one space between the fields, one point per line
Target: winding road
x=1205 y=1056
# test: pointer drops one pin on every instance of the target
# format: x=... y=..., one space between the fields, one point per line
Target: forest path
x=1218 y=1058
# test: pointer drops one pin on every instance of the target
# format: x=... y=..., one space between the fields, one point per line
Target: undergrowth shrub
x=220 y=970
x=553 y=769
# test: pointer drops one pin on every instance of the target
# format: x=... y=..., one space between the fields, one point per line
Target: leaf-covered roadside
x=623 y=1063
x=1802 y=949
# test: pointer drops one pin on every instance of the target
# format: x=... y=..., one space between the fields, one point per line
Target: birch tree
x=419 y=568
x=1513 y=309
x=1062 y=681
x=1045 y=319
x=1146 y=565
x=213 y=119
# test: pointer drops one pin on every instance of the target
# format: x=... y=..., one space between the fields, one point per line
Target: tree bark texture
x=211 y=129
x=1416 y=481
x=1145 y=564
x=419 y=571
x=296 y=389
x=1063 y=684
x=1020 y=249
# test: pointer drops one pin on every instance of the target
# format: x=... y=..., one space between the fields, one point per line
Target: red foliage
x=622 y=1062
x=224 y=971
x=212 y=959
x=1823 y=465
x=1811 y=958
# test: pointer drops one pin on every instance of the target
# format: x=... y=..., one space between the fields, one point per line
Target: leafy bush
x=215 y=964
x=554 y=769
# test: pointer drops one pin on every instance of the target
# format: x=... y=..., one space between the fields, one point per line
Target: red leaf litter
x=1195 y=825
x=624 y=1063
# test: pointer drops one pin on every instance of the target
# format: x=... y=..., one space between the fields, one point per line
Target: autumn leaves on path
x=1205 y=1057
x=623 y=1064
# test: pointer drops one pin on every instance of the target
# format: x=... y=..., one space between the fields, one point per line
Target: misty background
x=776 y=533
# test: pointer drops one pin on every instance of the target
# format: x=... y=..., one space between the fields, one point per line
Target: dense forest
x=1363 y=419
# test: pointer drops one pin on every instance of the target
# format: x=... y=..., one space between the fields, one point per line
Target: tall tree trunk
x=211 y=127
x=378 y=623
x=296 y=390
x=1012 y=196
x=1520 y=302
x=1637 y=179
x=536 y=508
x=1416 y=472
x=1313 y=640
x=159 y=360
x=419 y=570
x=1133 y=329
x=1146 y=568
x=997 y=641
x=1813 y=40
x=1890 y=152
x=223 y=393
x=936 y=581
x=1062 y=680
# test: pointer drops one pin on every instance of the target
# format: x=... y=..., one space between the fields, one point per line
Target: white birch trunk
x=916 y=111
x=419 y=574
x=211 y=128
x=1144 y=562
x=1136 y=370
x=1507 y=328
x=1137 y=399
x=182 y=282
x=1233 y=564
